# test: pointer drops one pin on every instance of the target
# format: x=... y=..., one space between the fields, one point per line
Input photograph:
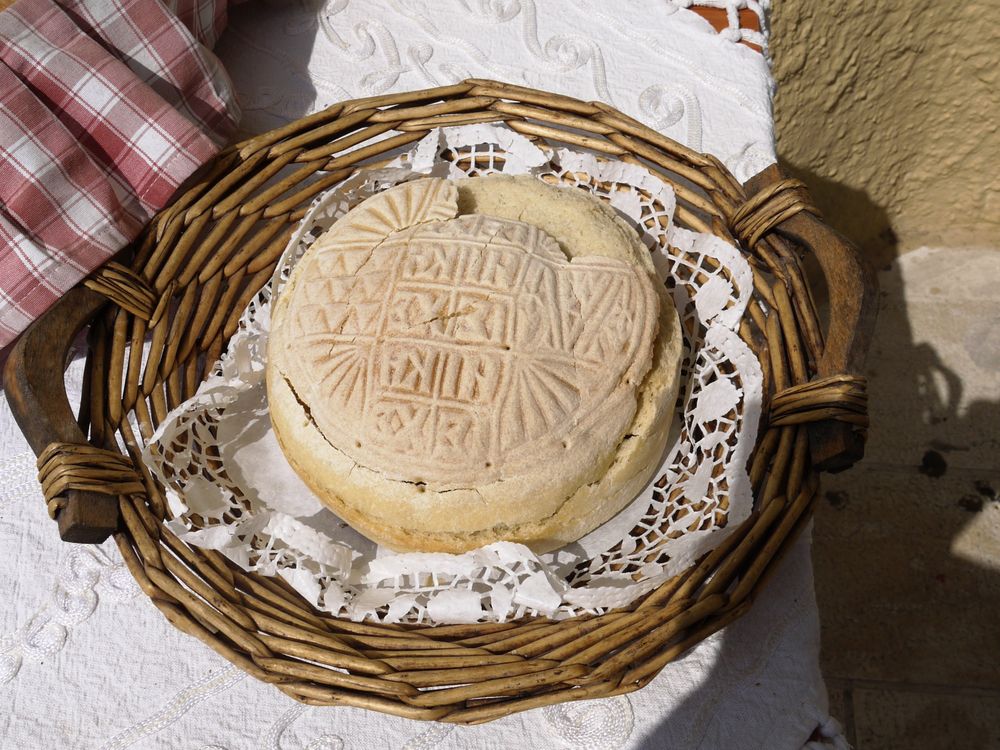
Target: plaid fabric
x=106 y=107
x=157 y=48
x=205 y=18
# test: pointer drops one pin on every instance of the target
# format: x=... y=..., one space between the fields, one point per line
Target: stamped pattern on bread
x=448 y=349
x=631 y=554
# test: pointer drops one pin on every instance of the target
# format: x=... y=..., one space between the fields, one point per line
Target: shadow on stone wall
x=851 y=212
x=898 y=606
x=896 y=610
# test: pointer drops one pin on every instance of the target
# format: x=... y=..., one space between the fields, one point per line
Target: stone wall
x=890 y=111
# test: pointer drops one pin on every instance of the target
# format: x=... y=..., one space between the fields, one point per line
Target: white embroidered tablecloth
x=86 y=661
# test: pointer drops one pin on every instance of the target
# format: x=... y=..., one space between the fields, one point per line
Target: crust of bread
x=547 y=508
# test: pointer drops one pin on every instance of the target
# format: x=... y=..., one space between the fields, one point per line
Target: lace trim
x=700 y=494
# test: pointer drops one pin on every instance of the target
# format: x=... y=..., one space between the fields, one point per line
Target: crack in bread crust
x=573 y=471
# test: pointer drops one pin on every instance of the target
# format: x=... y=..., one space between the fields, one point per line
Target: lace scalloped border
x=700 y=494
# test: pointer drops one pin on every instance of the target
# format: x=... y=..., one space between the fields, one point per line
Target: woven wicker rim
x=202 y=259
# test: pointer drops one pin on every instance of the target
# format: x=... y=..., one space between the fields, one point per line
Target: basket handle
x=33 y=381
x=835 y=443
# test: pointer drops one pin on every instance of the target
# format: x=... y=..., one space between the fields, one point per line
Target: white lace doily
x=231 y=489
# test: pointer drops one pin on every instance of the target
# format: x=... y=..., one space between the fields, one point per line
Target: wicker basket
x=188 y=278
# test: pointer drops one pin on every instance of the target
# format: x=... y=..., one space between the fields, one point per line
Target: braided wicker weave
x=194 y=270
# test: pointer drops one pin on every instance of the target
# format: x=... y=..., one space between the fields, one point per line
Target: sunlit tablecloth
x=86 y=661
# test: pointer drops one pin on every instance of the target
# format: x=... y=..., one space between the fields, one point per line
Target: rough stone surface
x=904 y=563
x=889 y=109
x=907 y=544
x=928 y=720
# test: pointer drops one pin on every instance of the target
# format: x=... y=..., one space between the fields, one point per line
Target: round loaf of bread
x=455 y=363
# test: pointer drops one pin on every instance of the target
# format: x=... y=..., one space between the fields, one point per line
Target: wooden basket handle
x=835 y=443
x=33 y=381
x=33 y=376
x=81 y=482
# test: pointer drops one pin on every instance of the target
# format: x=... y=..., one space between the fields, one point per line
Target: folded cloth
x=106 y=107
x=205 y=18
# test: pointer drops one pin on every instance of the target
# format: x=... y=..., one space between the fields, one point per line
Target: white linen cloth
x=86 y=661
x=657 y=62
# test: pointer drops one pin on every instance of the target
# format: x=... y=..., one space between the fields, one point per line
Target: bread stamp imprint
x=459 y=347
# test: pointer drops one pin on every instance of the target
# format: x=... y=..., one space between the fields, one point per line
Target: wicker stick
x=382 y=101
x=322 y=134
x=265 y=198
x=773 y=544
x=231 y=178
x=638 y=148
x=187 y=236
x=250 y=289
x=524 y=682
x=325 y=641
x=213 y=262
x=789 y=328
x=729 y=565
x=258 y=606
x=530 y=96
x=491 y=712
x=158 y=401
x=526 y=638
x=199 y=263
x=556 y=637
x=115 y=369
x=266 y=259
x=287 y=133
x=799 y=464
x=359 y=135
x=324 y=655
x=434 y=653
x=647 y=670
x=444 y=121
x=124 y=287
x=436 y=660
x=470 y=629
x=596 y=643
x=206 y=304
x=179 y=618
x=552 y=117
x=255 y=596
x=207 y=250
x=403 y=643
x=466 y=672
x=373 y=150
x=402 y=114
x=662 y=594
x=580 y=141
x=204 y=180
x=178 y=327
x=506 y=638
x=241 y=197
x=303 y=671
x=169 y=230
x=317 y=695
x=654 y=639
x=779 y=467
x=305 y=194
x=220 y=313
x=218 y=584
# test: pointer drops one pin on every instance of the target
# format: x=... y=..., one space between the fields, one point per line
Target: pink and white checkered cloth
x=106 y=107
